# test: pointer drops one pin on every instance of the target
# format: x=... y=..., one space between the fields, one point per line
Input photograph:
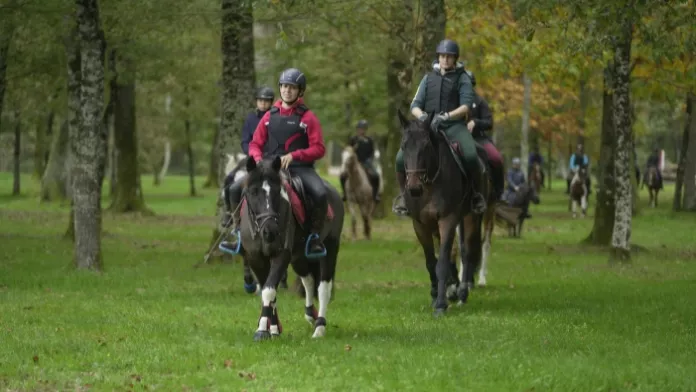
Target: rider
x=447 y=93
x=264 y=100
x=515 y=178
x=364 y=148
x=482 y=121
x=293 y=132
x=654 y=161
x=577 y=160
x=535 y=157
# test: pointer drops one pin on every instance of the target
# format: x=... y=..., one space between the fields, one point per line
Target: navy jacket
x=249 y=127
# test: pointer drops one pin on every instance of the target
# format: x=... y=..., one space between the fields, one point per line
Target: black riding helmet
x=362 y=124
x=294 y=77
x=448 y=46
x=265 y=92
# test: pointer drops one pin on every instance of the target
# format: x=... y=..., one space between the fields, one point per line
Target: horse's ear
x=402 y=119
x=276 y=163
x=251 y=164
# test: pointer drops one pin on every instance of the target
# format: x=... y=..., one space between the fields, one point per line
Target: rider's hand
x=435 y=125
x=285 y=161
x=471 y=125
x=423 y=117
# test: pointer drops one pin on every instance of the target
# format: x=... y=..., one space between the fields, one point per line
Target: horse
x=358 y=192
x=273 y=235
x=652 y=179
x=535 y=177
x=438 y=198
x=578 y=191
x=237 y=167
x=518 y=205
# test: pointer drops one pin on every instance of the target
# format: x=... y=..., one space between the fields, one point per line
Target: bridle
x=259 y=221
x=422 y=174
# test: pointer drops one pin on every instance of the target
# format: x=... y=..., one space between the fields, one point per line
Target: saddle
x=456 y=152
x=299 y=200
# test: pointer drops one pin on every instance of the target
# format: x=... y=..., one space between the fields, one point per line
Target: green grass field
x=554 y=317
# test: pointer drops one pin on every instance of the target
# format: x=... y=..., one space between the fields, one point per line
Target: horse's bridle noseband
x=260 y=220
x=423 y=173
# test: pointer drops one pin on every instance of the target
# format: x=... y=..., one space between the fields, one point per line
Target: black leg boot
x=399 y=206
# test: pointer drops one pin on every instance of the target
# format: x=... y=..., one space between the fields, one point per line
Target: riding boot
x=567 y=187
x=343 y=179
x=478 y=203
x=231 y=243
x=315 y=246
x=374 y=182
x=498 y=182
x=399 y=206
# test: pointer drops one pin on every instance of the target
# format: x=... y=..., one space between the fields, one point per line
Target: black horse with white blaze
x=274 y=235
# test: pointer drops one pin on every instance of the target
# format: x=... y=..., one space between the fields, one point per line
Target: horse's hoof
x=250 y=288
x=439 y=312
x=463 y=295
x=481 y=284
x=319 y=332
x=261 y=335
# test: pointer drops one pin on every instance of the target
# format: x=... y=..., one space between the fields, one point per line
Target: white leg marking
x=484 y=260
x=308 y=283
x=575 y=207
x=324 y=298
x=268 y=295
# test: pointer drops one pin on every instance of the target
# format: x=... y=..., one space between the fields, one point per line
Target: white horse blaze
x=267 y=188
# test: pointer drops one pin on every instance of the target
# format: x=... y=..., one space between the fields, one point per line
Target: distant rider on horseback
x=364 y=148
x=293 y=132
x=447 y=93
x=654 y=161
x=577 y=160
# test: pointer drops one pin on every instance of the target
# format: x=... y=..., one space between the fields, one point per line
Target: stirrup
x=313 y=255
x=238 y=236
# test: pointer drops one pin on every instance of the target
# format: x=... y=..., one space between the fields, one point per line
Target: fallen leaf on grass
x=36 y=359
x=248 y=375
x=228 y=363
x=347 y=347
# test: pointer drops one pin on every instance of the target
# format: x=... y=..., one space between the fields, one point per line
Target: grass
x=555 y=316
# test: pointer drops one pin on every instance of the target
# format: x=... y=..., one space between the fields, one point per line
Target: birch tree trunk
x=621 y=235
x=87 y=149
x=526 y=109
x=690 y=155
x=211 y=180
x=683 y=152
x=604 y=208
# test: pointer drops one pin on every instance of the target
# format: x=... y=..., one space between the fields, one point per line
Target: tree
x=86 y=146
x=54 y=184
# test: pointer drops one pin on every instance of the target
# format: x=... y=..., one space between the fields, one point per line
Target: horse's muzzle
x=415 y=191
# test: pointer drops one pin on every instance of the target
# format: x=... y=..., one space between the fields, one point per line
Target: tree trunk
x=211 y=180
x=159 y=175
x=74 y=63
x=683 y=152
x=5 y=38
x=621 y=235
x=128 y=196
x=526 y=109
x=549 y=163
x=54 y=183
x=690 y=155
x=238 y=80
x=433 y=28
x=87 y=149
x=40 y=142
x=17 y=154
x=604 y=207
x=399 y=77
x=189 y=147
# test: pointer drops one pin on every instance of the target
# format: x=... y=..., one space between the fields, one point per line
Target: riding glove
x=435 y=125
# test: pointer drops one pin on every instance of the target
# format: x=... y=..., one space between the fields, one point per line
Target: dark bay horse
x=273 y=236
x=652 y=180
x=535 y=177
x=438 y=198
